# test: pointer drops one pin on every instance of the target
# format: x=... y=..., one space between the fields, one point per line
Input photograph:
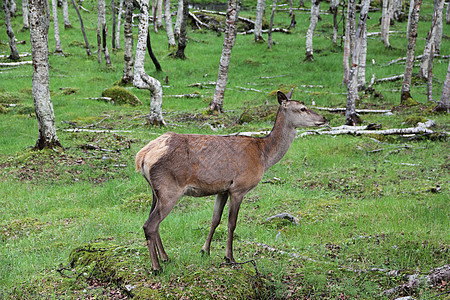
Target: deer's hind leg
x=163 y=202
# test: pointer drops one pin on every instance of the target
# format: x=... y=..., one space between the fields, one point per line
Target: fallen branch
x=360 y=111
x=198 y=22
x=185 y=96
x=224 y=14
x=202 y=84
x=369 y=34
x=416 y=58
x=20 y=55
x=12 y=64
x=251 y=31
x=285 y=216
x=249 y=89
x=94 y=130
x=108 y=99
x=270 y=77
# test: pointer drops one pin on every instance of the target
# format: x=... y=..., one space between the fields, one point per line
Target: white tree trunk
x=397 y=13
x=39 y=25
x=9 y=31
x=12 y=7
x=66 y=20
x=260 y=10
x=128 y=43
x=168 y=21
x=439 y=10
x=362 y=60
x=447 y=13
x=386 y=21
x=179 y=18
x=228 y=43
x=445 y=96
x=411 y=7
x=414 y=20
x=141 y=79
x=334 y=5
x=58 y=48
x=315 y=11
x=351 y=118
x=119 y=21
x=160 y=13
x=269 y=38
x=154 y=14
x=349 y=38
x=26 y=22
x=431 y=39
x=100 y=3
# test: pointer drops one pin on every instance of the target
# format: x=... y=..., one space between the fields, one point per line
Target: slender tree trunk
x=179 y=18
x=128 y=43
x=447 y=13
x=334 y=10
x=26 y=22
x=119 y=20
x=386 y=22
x=349 y=38
x=444 y=104
x=154 y=14
x=414 y=20
x=430 y=76
x=430 y=41
x=168 y=21
x=160 y=13
x=315 y=10
x=182 y=38
x=100 y=3
x=39 y=25
x=291 y=7
x=269 y=38
x=351 y=118
x=152 y=55
x=439 y=10
x=228 y=43
x=66 y=14
x=88 y=50
x=9 y=31
x=362 y=61
x=397 y=12
x=260 y=10
x=12 y=8
x=105 y=46
x=411 y=7
x=113 y=40
x=141 y=79
x=58 y=48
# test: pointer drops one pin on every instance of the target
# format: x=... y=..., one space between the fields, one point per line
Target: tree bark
x=362 y=61
x=179 y=18
x=444 y=104
x=39 y=25
x=9 y=31
x=66 y=19
x=386 y=21
x=154 y=14
x=26 y=22
x=182 y=38
x=431 y=40
x=58 y=48
x=439 y=10
x=119 y=21
x=414 y=20
x=315 y=10
x=260 y=10
x=269 y=38
x=349 y=38
x=334 y=10
x=99 y=29
x=128 y=43
x=88 y=50
x=228 y=43
x=152 y=55
x=351 y=118
x=12 y=8
x=168 y=21
x=141 y=79
x=447 y=13
x=113 y=40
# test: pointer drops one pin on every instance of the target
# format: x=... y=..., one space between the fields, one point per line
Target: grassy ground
x=70 y=221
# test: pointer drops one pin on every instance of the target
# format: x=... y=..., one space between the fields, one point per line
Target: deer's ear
x=282 y=98
x=289 y=95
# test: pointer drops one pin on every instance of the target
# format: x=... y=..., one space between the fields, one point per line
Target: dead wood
x=224 y=14
x=185 y=96
x=419 y=57
x=12 y=64
x=285 y=216
x=198 y=22
x=360 y=111
x=251 y=31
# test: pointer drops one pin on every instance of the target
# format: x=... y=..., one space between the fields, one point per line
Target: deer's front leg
x=235 y=203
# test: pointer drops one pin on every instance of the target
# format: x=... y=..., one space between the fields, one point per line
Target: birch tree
x=102 y=33
x=269 y=38
x=179 y=18
x=119 y=21
x=260 y=10
x=362 y=60
x=447 y=13
x=431 y=39
x=444 y=104
x=228 y=43
x=39 y=26
x=160 y=13
x=58 y=48
x=66 y=19
x=113 y=40
x=414 y=20
x=88 y=49
x=351 y=118
x=141 y=79
x=334 y=5
x=182 y=37
x=315 y=10
x=386 y=21
x=168 y=21
x=14 y=55
x=439 y=10
x=349 y=38
x=26 y=23
x=12 y=7
x=128 y=42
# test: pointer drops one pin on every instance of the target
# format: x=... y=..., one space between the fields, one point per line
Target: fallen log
x=359 y=111
x=12 y=64
x=251 y=31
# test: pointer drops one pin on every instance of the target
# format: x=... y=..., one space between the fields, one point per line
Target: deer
x=228 y=166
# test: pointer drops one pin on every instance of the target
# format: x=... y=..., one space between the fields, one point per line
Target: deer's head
x=297 y=114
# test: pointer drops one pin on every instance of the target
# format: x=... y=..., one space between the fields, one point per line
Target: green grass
x=357 y=209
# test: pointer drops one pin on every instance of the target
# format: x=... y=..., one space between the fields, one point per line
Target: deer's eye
x=303 y=109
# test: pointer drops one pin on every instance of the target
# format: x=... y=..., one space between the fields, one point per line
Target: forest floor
x=371 y=212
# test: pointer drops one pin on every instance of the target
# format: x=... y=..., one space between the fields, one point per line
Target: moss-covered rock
x=121 y=96
x=414 y=120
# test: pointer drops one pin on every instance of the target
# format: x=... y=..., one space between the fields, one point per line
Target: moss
x=263 y=112
x=121 y=96
x=25 y=110
x=413 y=120
x=3 y=110
x=9 y=98
x=410 y=102
x=69 y=90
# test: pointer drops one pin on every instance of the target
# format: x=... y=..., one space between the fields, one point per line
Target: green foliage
x=121 y=96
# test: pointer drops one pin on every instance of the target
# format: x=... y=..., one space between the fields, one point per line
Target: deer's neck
x=277 y=143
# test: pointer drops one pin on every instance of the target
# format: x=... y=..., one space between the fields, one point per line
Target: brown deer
x=227 y=166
